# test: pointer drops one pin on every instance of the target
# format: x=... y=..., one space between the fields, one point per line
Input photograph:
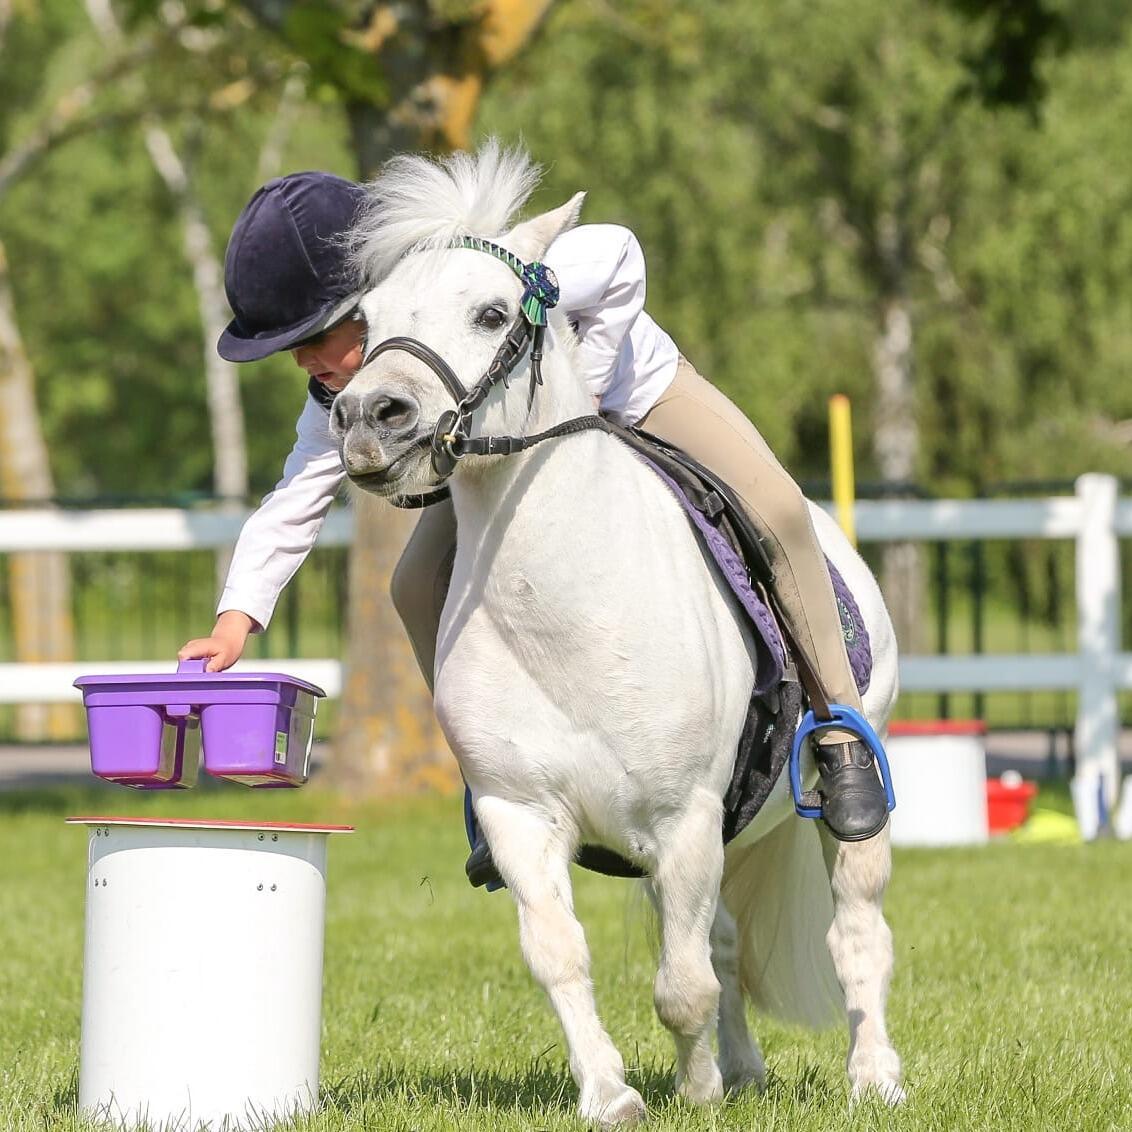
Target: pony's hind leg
x=534 y=861
x=861 y=946
x=740 y=1059
x=685 y=889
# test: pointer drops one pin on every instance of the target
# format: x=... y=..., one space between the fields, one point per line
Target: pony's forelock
x=418 y=202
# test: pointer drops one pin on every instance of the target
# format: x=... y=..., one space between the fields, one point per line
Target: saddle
x=726 y=533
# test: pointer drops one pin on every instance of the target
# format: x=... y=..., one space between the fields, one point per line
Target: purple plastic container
x=147 y=731
x=143 y=746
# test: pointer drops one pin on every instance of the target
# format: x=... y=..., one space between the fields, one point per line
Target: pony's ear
x=530 y=239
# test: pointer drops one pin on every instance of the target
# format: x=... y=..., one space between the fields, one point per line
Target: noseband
x=450 y=440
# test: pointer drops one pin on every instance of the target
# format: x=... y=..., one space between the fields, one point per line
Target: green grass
x=1010 y=1001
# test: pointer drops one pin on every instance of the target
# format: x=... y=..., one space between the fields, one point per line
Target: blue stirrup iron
x=843 y=719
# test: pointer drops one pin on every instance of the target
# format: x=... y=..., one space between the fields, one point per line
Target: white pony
x=593 y=676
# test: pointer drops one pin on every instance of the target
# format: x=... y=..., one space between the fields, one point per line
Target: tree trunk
x=388 y=739
x=225 y=412
x=222 y=386
x=39 y=583
x=387 y=736
x=896 y=437
x=387 y=733
x=896 y=441
x=279 y=132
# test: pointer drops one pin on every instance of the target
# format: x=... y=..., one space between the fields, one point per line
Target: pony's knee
x=686 y=1000
x=554 y=947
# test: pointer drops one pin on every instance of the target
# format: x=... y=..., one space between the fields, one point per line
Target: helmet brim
x=236 y=345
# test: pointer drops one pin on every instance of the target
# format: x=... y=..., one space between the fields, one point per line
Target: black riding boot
x=853 y=804
x=479 y=866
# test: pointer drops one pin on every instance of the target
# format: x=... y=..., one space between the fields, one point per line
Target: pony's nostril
x=387 y=411
x=340 y=415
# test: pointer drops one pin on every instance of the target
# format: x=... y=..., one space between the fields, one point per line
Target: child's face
x=334 y=356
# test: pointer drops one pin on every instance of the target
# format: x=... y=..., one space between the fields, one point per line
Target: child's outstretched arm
x=274 y=542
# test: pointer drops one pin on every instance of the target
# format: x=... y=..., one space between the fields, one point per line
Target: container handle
x=174 y=712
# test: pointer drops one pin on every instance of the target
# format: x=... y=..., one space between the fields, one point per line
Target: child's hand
x=221 y=653
x=225 y=646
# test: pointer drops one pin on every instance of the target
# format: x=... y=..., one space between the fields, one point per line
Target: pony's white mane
x=417 y=202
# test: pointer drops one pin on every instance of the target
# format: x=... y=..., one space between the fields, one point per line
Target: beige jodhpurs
x=695 y=416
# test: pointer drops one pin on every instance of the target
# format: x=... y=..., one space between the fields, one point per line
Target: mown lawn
x=1010 y=1004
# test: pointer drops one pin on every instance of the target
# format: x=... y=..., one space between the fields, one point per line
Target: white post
x=1098 y=641
x=202 y=973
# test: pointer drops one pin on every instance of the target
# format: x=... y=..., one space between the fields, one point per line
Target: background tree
x=225 y=411
x=116 y=92
x=39 y=583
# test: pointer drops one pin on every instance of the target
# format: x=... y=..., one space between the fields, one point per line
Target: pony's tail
x=778 y=892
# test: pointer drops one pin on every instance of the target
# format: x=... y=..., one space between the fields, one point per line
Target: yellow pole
x=841 y=462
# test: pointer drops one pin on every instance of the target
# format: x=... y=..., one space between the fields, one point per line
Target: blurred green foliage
x=756 y=149
x=763 y=153
x=104 y=294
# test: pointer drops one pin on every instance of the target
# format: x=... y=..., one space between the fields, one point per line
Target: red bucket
x=1008 y=804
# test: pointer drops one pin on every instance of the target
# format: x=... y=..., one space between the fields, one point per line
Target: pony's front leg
x=860 y=944
x=685 y=888
x=533 y=858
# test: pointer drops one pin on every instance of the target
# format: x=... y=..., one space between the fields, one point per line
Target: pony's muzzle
x=374 y=428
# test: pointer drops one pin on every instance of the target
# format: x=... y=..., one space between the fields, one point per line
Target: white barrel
x=939 y=777
x=202 y=976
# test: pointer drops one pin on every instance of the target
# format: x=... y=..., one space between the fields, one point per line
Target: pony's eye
x=491 y=318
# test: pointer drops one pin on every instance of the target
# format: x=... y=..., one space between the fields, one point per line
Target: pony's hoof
x=890 y=1092
x=621 y=1107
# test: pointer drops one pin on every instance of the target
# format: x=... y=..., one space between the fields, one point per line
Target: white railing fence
x=1094 y=517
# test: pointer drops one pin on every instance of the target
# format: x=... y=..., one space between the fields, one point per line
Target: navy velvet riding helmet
x=284 y=272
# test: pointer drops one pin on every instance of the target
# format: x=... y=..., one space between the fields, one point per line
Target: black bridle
x=450 y=441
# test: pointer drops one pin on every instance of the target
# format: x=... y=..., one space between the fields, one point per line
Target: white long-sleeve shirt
x=627 y=361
